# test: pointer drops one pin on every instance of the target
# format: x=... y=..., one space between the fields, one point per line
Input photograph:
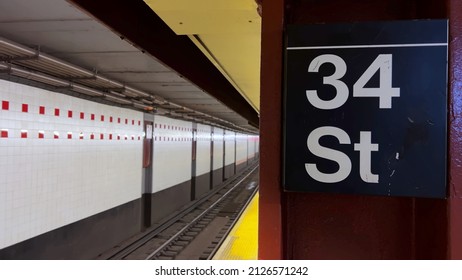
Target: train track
x=198 y=231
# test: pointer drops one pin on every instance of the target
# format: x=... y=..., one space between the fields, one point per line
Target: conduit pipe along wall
x=12 y=52
x=39 y=77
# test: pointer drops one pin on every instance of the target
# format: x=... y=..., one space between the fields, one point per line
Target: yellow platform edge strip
x=242 y=241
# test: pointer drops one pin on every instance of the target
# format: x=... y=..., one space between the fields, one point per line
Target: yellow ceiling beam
x=227 y=31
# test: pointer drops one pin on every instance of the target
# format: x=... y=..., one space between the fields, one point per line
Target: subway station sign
x=365 y=108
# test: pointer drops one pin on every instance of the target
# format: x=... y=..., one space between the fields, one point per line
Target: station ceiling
x=122 y=50
x=228 y=32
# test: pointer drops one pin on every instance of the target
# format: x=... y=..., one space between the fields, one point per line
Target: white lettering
x=341 y=95
x=385 y=92
x=365 y=148
x=342 y=160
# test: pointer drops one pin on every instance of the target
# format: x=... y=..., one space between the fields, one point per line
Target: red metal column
x=455 y=126
x=322 y=226
x=270 y=232
x=326 y=226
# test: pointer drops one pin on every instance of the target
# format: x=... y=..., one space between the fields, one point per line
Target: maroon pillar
x=455 y=126
x=329 y=226
x=270 y=231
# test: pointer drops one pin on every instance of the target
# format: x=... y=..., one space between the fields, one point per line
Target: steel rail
x=187 y=226
x=133 y=246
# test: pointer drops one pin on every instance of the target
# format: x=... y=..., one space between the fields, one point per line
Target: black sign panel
x=366 y=107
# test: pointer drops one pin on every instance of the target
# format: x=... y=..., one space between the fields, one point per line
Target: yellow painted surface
x=187 y=17
x=242 y=242
x=227 y=31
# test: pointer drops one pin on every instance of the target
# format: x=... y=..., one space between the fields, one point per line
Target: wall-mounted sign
x=366 y=107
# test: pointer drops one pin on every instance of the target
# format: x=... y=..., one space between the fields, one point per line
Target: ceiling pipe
x=86 y=90
x=39 y=77
x=116 y=99
x=112 y=95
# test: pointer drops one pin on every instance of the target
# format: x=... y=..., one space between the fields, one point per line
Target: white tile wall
x=46 y=183
x=172 y=152
x=217 y=148
x=203 y=149
x=257 y=144
x=252 y=140
x=230 y=156
x=241 y=148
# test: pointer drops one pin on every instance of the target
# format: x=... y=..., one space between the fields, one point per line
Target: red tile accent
x=126 y=121
x=41 y=135
x=42 y=110
x=102 y=118
x=81 y=136
x=110 y=119
x=5 y=105
x=23 y=134
x=101 y=136
x=110 y=136
x=92 y=117
x=69 y=135
x=92 y=136
x=139 y=123
x=57 y=112
x=25 y=108
x=133 y=122
x=139 y=137
x=118 y=120
x=126 y=137
x=55 y=136
x=69 y=114
x=118 y=137
x=133 y=137
x=82 y=115
x=4 y=133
